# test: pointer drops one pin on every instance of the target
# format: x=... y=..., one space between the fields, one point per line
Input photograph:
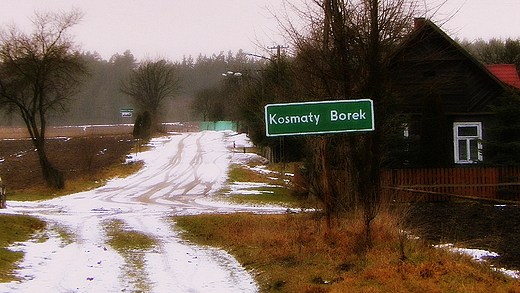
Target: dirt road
x=180 y=175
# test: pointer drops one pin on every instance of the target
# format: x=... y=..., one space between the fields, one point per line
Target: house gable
x=447 y=95
x=430 y=63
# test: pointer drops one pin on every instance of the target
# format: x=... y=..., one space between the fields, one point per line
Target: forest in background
x=100 y=98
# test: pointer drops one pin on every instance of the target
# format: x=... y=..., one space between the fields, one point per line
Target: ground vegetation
x=343 y=53
x=502 y=145
x=298 y=253
x=15 y=228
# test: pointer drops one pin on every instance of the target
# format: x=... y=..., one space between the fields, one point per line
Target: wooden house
x=446 y=94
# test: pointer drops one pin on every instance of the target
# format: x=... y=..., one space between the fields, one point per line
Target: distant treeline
x=100 y=98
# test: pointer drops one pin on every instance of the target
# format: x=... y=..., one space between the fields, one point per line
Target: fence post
x=3 y=200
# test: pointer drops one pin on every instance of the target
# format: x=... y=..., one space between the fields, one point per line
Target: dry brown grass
x=81 y=183
x=297 y=253
x=15 y=228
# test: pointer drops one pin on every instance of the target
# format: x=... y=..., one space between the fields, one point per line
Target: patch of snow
x=262 y=170
x=511 y=273
x=248 y=188
x=237 y=140
x=180 y=175
x=476 y=254
x=479 y=255
x=227 y=207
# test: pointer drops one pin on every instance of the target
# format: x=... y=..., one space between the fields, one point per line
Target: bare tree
x=207 y=102
x=150 y=84
x=342 y=52
x=39 y=73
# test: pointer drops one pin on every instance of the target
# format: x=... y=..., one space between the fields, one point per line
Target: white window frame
x=406 y=130
x=467 y=138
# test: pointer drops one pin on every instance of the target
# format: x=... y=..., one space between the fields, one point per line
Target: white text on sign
x=335 y=116
x=310 y=118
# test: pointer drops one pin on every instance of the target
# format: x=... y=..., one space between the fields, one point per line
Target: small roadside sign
x=321 y=117
x=126 y=112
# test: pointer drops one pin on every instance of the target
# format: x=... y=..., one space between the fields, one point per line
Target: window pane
x=473 y=148
x=463 y=150
x=466 y=139
x=468 y=130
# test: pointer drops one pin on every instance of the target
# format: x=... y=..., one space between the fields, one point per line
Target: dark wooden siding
x=433 y=64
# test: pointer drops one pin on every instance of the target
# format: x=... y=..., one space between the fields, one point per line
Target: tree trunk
x=53 y=177
x=325 y=181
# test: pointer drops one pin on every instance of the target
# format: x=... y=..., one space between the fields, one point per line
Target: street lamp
x=259 y=56
x=231 y=73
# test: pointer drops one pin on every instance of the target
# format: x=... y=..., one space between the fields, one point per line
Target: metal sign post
x=320 y=118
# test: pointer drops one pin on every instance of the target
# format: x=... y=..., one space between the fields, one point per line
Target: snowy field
x=181 y=173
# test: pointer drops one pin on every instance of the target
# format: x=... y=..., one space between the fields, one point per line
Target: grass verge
x=274 y=191
x=240 y=173
x=265 y=195
x=14 y=228
x=297 y=253
x=132 y=245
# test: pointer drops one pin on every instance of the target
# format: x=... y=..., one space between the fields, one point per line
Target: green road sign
x=319 y=117
x=126 y=112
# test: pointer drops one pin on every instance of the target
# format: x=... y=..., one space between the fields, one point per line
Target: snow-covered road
x=180 y=174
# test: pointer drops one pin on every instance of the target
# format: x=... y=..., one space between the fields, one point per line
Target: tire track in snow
x=180 y=177
x=146 y=183
x=168 y=183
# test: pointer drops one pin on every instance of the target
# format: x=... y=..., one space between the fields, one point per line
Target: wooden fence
x=442 y=184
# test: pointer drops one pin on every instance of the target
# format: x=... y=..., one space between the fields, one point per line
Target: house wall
x=435 y=78
x=435 y=149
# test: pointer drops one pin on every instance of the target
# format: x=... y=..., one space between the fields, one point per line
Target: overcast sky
x=174 y=28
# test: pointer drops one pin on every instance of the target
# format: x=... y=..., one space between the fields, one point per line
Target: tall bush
x=143 y=126
x=502 y=146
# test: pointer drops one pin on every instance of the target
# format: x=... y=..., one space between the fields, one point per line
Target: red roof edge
x=506 y=73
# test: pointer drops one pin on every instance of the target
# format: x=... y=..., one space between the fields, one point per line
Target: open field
x=75 y=150
x=80 y=156
x=14 y=132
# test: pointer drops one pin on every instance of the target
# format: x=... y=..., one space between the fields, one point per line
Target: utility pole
x=278 y=50
x=282 y=139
